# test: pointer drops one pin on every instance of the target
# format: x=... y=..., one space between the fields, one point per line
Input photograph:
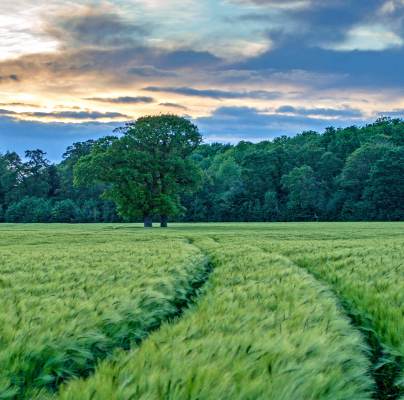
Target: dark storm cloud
x=216 y=93
x=123 y=100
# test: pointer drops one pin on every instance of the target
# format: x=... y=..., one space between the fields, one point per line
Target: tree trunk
x=147 y=222
x=163 y=221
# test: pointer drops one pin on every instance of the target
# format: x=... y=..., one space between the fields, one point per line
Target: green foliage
x=312 y=177
x=385 y=189
x=47 y=184
x=147 y=168
x=65 y=211
x=157 y=166
x=271 y=206
x=29 y=209
x=303 y=193
x=354 y=178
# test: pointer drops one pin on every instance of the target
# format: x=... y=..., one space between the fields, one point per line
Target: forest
x=341 y=174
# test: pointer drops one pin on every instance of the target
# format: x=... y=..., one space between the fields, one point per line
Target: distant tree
x=147 y=168
x=259 y=172
x=391 y=129
x=271 y=206
x=11 y=175
x=35 y=182
x=329 y=166
x=303 y=193
x=70 y=158
x=342 y=142
x=354 y=176
x=90 y=211
x=385 y=188
x=65 y=211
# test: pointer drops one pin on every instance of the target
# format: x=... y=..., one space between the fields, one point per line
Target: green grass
x=300 y=310
x=264 y=329
x=71 y=296
x=368 y=277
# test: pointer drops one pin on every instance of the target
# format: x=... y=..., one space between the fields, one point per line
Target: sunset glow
x=242 y=69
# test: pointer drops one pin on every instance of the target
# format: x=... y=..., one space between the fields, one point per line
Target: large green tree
x=147 y=168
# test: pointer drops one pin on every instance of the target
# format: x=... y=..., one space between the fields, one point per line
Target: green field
x=202 y=311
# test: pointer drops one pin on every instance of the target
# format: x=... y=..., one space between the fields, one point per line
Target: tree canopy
x=158 y=167
x=147 y=168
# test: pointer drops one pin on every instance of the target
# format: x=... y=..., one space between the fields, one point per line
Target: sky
x=240 y=69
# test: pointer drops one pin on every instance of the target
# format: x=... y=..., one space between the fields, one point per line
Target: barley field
x=202 y=311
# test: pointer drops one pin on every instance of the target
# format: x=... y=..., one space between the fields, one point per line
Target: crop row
x=263 y=329
x=68 y=300
x=368 y=277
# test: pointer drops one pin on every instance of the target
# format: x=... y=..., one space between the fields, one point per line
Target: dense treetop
x=356 y=173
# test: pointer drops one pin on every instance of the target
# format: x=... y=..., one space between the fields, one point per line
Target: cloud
x=283 y=4
x=305 y=54
x=174 y=105
x=325 y=112
x=74 y=115
x=231 y=124
x=94 y=68
x=99 y=26
x=19 y=104
x=148 y=71
x=391 y=6
x=216 y=93
x=396 y=113
x=368 y=37
x=186 y=58
x=123 y=100
x=366 y=69
x=7 y=112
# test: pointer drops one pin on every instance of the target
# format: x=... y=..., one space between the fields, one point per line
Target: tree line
x=157 y=167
